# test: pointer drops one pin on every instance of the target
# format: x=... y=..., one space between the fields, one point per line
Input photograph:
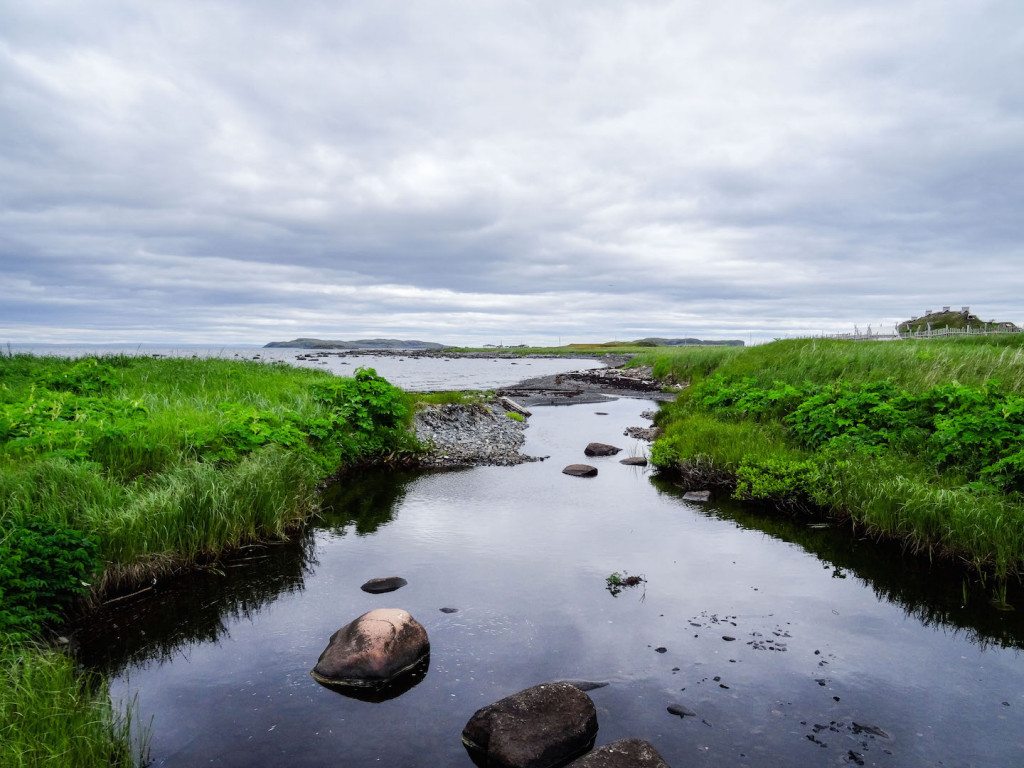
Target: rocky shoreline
x=470 y=435
x=491 y=433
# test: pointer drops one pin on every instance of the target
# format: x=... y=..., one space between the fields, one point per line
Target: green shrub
x=784 y=482
x=43 y=567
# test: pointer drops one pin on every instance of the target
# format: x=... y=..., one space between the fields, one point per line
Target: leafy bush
x=43 y=567
x=787 y=483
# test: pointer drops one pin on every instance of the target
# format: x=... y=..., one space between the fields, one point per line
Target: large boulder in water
x=543 y=726
x=624 y=753
x=601 y=449
x=373 y=650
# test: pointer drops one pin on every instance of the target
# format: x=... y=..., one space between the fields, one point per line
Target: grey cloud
x=224 y=170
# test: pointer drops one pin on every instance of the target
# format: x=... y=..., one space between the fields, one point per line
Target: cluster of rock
x=458 y=435
x=545 y=726
x=601 y=449
x=593 y=386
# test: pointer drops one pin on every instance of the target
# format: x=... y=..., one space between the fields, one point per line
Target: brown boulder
x=373 y=650
x=580 y=470
x=624 y=753
x=543 y=726
x=601 y=449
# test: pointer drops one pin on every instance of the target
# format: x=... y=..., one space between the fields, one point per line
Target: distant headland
x=306 y=343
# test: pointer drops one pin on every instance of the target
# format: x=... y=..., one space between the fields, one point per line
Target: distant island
x=306 y=343
x=655 y=341
x=950 y=318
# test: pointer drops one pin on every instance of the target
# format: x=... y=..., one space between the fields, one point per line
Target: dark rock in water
x=634 y=461
x=449 y=610
x=382 y=585
x=680 y=711
x=728 y=638
x=661 y=649
x=585 y=685
x=624 y=753
x=373 y=650
x=697 y=496
x=874 y=730
x=600 y=413
x=540 y=727
x=601 y=449
x=580 y=470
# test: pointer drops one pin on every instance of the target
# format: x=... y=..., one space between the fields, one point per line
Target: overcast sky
x=520 y=171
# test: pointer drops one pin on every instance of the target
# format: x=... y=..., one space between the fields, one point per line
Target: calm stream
x=828 y=630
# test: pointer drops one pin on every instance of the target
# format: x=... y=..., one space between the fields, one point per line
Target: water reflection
x=365 y=501
x=392 y=690
x=939 y=594
x=201 y=607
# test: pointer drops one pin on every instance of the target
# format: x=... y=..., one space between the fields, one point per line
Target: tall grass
x=888 y=490
x=54 y=716
x=913 y=364
x=186 y=458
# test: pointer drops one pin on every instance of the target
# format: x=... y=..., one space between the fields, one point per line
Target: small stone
x=600 y=449
x=661 y=649
x=382 y=585
x=680 y=711
x=449 y=610
x=728 y=638
x=634 y=461
x=874 y=730
x=580 y=470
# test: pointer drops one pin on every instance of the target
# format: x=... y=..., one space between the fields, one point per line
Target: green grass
x=921 y=442
x=448 y=397
x=118 y=470
x=171 y=461
x=53 y=716
x=913 y=364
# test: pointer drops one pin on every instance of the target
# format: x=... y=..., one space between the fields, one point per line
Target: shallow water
x=414 y=374
x=829 y=630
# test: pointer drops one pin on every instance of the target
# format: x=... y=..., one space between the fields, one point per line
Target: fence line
x=930 y=333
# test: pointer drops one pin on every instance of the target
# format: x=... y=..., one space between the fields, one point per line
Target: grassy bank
x=118 y=470
x=148 y=465
x=917 y=441
x=53 y=716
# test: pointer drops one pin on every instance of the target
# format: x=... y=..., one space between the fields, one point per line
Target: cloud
x=241 y=171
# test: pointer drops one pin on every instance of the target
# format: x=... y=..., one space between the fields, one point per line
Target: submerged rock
x=697 y=496
x=580 y=470
x=600 y=449
x=634 y=461
x=680 y=711
x=624 y=753
x=585 y=685
x=540 y=727
x=373 y=650
x=382 y=585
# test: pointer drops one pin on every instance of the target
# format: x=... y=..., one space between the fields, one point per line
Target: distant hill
x=655 y=341
x=305 y=343
x=949 y=318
